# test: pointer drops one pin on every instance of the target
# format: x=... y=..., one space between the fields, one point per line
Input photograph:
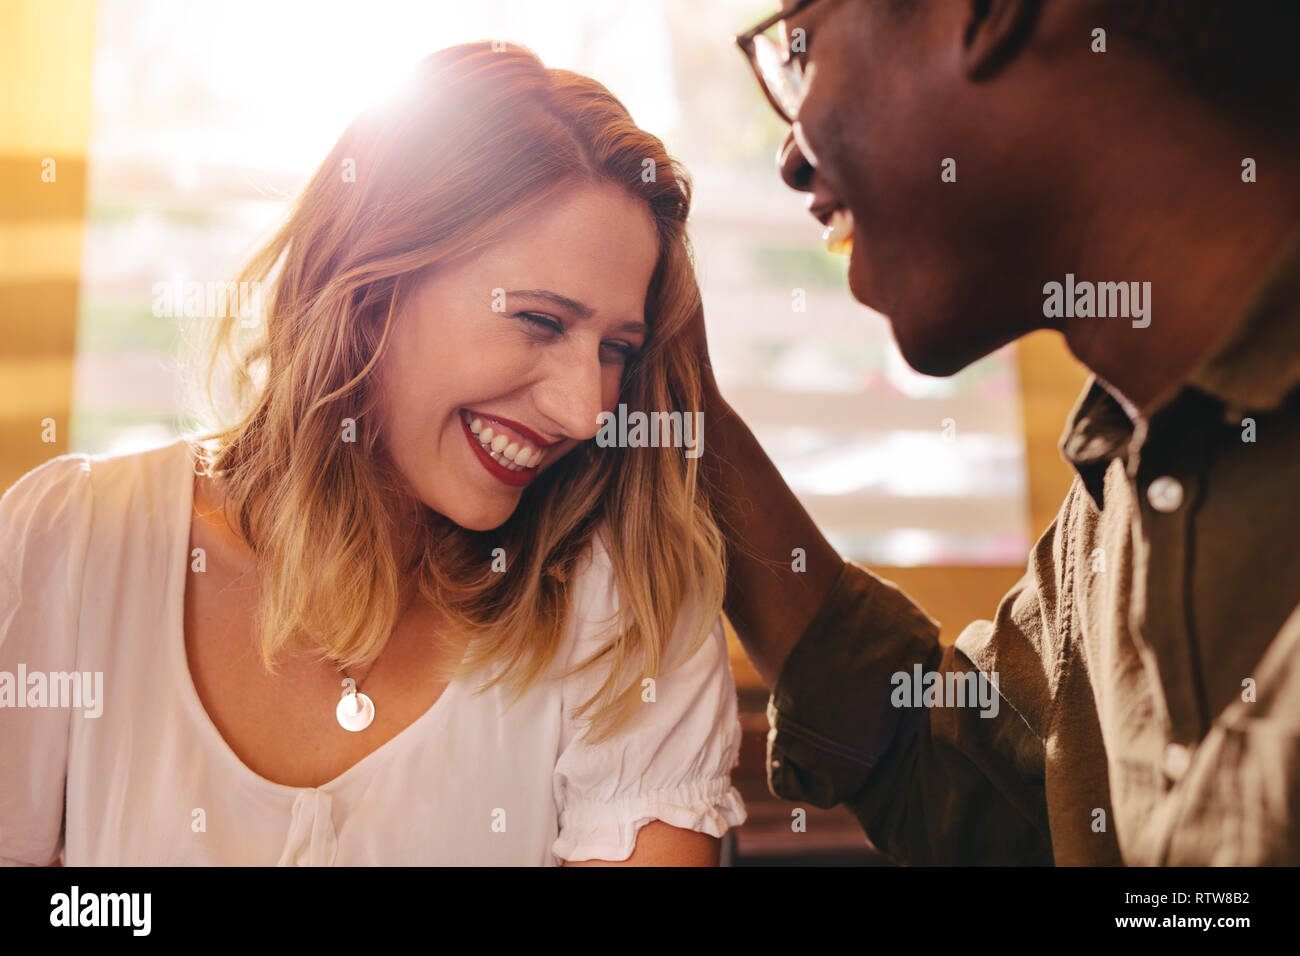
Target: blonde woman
x=402 y=607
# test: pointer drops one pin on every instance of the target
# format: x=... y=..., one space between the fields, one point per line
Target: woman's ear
x=996 y=30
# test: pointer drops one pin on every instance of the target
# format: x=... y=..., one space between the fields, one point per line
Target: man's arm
x=928 y=786
x=768 y=604
x=827 y=641
x=933 y=781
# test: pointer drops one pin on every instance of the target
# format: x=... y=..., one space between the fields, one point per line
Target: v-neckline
x=177 y=576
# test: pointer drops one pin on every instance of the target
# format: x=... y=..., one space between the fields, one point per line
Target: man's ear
x=996 y=30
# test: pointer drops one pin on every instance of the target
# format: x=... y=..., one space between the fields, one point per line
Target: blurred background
x=146 y=141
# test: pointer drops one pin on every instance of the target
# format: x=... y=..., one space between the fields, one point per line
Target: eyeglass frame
x=746 y=43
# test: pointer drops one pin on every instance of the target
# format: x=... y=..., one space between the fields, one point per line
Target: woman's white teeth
x=839 y=232
x=505 y=452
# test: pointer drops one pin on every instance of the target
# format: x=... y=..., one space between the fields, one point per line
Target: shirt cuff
x=830 y=713
x=607 y=831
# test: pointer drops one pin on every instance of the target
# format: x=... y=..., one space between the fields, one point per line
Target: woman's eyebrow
x=573 y=305
x=576 y=307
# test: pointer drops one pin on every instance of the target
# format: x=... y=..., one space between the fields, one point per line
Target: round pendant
x=355 y=712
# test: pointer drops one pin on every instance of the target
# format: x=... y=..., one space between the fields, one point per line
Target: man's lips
x=838 y=220
x=823 y=197
x=822 y=211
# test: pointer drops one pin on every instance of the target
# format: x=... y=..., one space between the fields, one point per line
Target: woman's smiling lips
x=536 y=440
x=511 y=453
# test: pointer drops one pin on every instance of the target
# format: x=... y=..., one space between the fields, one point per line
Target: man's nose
x=795 y=168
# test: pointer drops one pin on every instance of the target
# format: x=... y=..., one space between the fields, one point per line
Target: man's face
x=886 y=103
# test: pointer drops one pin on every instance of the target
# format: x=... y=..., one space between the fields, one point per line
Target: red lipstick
x=503 y=474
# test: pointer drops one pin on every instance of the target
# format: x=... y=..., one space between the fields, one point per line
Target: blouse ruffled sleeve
x=44 y=530
x=671 y=762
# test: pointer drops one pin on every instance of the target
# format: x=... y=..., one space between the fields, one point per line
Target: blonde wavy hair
x=486 y=135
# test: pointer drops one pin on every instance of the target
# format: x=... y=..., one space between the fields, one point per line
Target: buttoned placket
x=1166 y=463
x=311 y=840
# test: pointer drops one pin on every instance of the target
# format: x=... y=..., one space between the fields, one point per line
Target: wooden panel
x=38 y=319
x=45 y=73
x=45 y=61
x=1051 y=379
x=26 y=196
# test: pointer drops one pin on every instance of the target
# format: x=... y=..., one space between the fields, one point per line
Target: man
x=1124 y=172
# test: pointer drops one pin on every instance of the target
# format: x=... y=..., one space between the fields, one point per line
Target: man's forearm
x=768 y=602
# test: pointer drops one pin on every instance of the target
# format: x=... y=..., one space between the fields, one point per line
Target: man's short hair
x=1240 y=53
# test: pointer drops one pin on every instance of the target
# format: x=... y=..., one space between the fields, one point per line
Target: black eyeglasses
x=778 y=70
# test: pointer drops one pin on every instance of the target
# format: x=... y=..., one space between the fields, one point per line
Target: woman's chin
x=473 y=511
x=479 y=525
x=475 y=519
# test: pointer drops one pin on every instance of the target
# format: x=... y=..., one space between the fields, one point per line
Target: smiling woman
x=406 y=495
x=547 y=360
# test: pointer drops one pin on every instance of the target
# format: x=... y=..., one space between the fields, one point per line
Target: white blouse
x=98 y=709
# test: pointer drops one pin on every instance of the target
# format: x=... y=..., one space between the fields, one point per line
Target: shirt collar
x=1255 y=366
x=1098 y=429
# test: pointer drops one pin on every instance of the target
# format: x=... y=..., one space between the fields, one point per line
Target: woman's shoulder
x=596 y=605
x=593 y=586
x=591 y=596
x=66 y=492
x=158 y=473
x=54 y=477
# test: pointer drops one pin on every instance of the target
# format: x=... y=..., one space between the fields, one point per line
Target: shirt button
x=1165 y=494
x=1175 y=761
x=776 y=764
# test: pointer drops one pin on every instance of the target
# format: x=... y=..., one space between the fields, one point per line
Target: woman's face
x=528 y=338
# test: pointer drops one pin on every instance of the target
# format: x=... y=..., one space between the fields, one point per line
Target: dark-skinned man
x=1150 y=713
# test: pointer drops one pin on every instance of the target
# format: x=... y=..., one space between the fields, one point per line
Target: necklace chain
x=401 y=614
x=355 y=711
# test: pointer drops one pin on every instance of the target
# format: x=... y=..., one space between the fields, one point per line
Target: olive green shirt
x=1148 y=661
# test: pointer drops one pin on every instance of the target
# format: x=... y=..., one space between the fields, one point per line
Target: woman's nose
x=571 y=396
x=795 y=168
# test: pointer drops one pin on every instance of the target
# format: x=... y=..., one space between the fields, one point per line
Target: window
x=208 y=116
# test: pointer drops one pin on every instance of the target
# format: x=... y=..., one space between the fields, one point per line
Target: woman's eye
x=545 y=322
x=621 y=351
x=625 y=353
